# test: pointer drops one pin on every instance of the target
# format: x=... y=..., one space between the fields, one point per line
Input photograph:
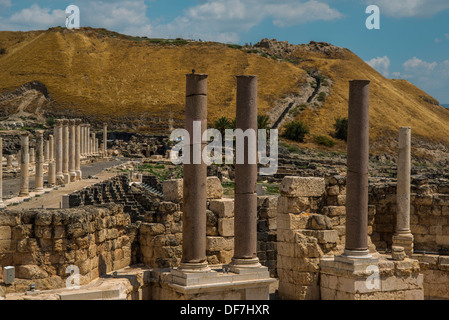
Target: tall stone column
x=403 y=236
x=32 y=153
x=356 y=245
x=105 y=139
x=39 y=176
x=52 y=174
x=24 y=165
x=78 y=139
x=81 y=139
x=9 y=160
x=18 y=157
x=245 y=205
x=195 y=178
x=52 y=148
x=97 y=150
x=88 y=144
x=93 y=135
x=59 y=151
x=72 y=150
x=65 y=150
x=2 y=205
x=47 y=151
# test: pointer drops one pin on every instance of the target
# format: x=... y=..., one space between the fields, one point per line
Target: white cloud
x=5 y=3
x=36 y=17
x=223 y=20
x=381 y=64
x=410 y=8
x=218 y=20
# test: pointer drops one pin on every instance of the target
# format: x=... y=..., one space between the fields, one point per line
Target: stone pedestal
x=212 y=285
x=370 y=279
x=405 y=241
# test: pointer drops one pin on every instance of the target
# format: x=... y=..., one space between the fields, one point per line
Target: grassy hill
x=139 y=83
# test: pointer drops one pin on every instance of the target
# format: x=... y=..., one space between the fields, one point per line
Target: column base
x=73 y=176
x=2 y=205
x=79 y=175
x=216 y=284
x=404 y=240
x=60 y=180
x=24 y=193
x=189 y=267
x=241 y=265
x=66 y=178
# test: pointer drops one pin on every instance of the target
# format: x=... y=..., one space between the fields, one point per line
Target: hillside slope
x=139 y=83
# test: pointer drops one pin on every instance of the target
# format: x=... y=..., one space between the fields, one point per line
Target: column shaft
x=65 y=151
x=59 y=151
x=245 y=203
x=78 y=149
x=105 y=139
x=24 y=164
x=357 y=176
x=195 y=177
x=72 y=150
x=39 y=175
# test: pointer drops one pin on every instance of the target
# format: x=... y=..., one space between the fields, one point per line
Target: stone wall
x=161 y=231
x=266 y=232
x=304 y=236
x=41 y=244
x=435 y=269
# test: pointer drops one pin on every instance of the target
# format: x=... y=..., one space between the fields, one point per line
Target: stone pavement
x=52 y=197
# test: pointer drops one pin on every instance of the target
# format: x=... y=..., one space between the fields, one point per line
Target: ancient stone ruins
x=336 y=237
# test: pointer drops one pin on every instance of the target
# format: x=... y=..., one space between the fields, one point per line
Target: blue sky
x=412 y=42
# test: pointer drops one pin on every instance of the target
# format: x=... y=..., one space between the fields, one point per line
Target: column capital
x=39 y=133
x=72 y=122
x=58 y=122
x=78 y=122
x=65 y=122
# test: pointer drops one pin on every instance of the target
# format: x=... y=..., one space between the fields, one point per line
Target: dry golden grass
x=104 y=76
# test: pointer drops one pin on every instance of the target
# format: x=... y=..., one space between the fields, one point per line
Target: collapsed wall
x=44 y=245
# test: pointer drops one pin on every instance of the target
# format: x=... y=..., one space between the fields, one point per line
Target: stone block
x=10 y=219
x=172 y=190
x=224 y=208
x=30 y=272
x=214 y=188
x=219 y=243
x=5 y=233
x=302 y=186
x=292 y=221
x=43 y=218
x=226 y=227
x=293 y=204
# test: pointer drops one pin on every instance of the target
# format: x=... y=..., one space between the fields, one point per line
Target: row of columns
x=195 y=180
x=63 y=151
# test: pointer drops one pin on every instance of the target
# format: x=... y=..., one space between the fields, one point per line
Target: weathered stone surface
x=214 y=188
x=224 y=208
x=172 y=190
x=302 y=186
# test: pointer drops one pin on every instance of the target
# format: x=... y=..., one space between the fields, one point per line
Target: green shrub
x=325 y=141
x=341 y=128
x=295 y=131
x=50 y=122
x=321 y=96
